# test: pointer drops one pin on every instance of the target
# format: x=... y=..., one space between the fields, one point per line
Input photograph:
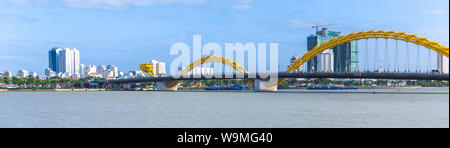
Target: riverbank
x=53 y=90
x=198 y=88
x=389 y=88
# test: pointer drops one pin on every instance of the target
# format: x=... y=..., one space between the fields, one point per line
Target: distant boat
x=329 y=87
x=236 y=87
x=213 y=88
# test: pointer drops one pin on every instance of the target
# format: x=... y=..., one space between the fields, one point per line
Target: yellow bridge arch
x=369 y=35
x=411 y=38
x=210 y=59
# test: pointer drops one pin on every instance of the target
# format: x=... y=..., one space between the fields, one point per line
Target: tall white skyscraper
x=69 y=61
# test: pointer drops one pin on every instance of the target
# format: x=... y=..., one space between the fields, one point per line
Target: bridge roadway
x=367 y=75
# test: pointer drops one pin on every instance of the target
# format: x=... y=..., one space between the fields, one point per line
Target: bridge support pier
x=266 y=85
x=163 y=86
x=124 y=87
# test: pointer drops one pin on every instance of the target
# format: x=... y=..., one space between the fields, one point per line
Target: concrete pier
x=266 y=85
x=162 y=86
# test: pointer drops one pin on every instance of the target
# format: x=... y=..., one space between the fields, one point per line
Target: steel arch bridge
x=148 y=68
x=410 y=38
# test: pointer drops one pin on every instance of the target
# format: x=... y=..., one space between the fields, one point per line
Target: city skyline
x=126 y=34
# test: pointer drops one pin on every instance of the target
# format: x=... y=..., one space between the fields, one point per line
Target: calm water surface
x=222 y=109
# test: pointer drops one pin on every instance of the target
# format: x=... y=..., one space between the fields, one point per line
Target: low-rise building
x=158 y=67
x=7 y=74
x=50 y=73
x=89 y=70
x=22 y=73
x=33 y=74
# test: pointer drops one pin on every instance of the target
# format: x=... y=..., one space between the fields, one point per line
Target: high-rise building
x=65 y=61
x=53 y=59
x=346 y=57
x=69 y=62
x=325 y=61
x=442 y=64
x=342 y=58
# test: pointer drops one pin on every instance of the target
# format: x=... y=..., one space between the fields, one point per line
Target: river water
x=198 y=109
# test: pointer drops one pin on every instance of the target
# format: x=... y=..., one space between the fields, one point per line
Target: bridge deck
x=395 y=76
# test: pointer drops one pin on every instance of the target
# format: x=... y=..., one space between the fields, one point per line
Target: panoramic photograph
x=228 y=64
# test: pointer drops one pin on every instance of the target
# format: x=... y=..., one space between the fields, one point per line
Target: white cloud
x=124 y=3
x=16 y=17
x=437 y=11
x=296 y=23
x=243 y=5
x=112 y=4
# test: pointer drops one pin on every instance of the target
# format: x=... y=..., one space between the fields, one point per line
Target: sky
x=128 y=32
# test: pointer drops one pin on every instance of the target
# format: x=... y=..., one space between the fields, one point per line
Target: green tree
x=7 y=80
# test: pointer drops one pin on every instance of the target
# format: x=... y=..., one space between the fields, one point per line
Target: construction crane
x=317 y=26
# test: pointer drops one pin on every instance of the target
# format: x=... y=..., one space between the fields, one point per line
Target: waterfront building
x=60 y=74
x=88 y=70
x=53 y=59
x=109 y=74
x=342 y=58
x=442 y=64
x=49 y=73
x=346 y=57
x=102 y=69
x=158 y=67
x=292 y=61
x=95 y=75
x=66 y=61
x=69 y=61
x=325 y=61
x=121 y=75
x=133 y=74
x=7 y=74
x=112 y=71
x=33 y=74
x=82 y=70
x=22 y=73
